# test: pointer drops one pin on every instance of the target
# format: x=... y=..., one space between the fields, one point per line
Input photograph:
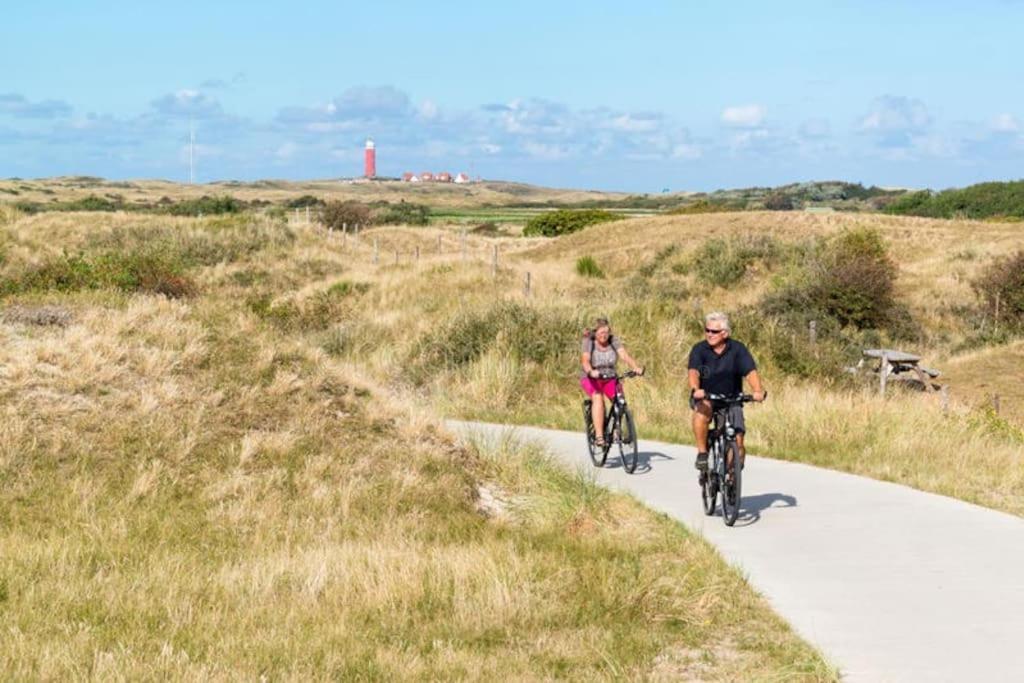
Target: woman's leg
x=597 y=414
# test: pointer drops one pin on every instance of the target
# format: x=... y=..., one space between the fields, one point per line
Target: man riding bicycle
x=599 y=355
x=718 y=365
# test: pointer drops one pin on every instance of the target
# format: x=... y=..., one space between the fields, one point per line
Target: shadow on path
x=752 y=506
x=643 y=463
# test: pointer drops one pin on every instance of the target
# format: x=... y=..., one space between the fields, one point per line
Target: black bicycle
x=725 y=471
x=619 y=428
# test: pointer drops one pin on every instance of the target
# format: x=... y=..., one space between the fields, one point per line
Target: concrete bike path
x=891 y=583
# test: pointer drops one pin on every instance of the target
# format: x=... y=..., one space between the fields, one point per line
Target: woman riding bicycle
x=600 y=353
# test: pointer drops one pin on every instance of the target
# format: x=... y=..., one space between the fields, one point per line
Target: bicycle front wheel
x=597 y=454
x=733 y=485
x=628 y=449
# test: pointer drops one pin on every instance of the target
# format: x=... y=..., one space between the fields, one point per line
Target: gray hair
x=720 y=317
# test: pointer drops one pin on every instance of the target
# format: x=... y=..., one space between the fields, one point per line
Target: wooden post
x=376 y=252
x=396 y=257
x=995 y=403
x=438 y=244
x=344 y=228
x=494 y=262
x=813 y=333
x=526 y=285
x=296 y=215
x=462 y=242
x=307 y=214
x=883 y=374
x=945 y=400
x=417 y=253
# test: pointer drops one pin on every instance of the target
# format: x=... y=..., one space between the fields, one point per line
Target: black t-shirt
x=722 y=374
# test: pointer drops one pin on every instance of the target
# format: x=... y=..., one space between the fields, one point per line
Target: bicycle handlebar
x=628 y=374
x=737 y=398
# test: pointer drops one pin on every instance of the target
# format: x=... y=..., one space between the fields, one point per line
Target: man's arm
x=693 y=376
x=755 y=383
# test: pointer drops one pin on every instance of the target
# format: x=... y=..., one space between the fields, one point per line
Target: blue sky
x=686 y=96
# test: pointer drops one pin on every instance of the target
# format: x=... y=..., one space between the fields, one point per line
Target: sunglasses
x=711 y=331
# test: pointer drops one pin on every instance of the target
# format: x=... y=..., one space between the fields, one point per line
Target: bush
x=1003 y=282
x=721 y=263
x=700 y=206
x=587 y=267
x=849 y=278
x=404 y=213
x=338 y=215
x=147 y=271
x=984 y=200
x=206 y=206
x=522 y=331
x=565 y=221
x=304 y=201
x=777 y=201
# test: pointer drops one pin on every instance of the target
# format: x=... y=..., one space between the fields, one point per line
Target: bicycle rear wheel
x=628 y=449
x=732 y=488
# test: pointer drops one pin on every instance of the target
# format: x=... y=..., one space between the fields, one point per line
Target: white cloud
x=1006 y=123
x=547 y=152
x=744 y=116
x=687 y=152
x=895 y=114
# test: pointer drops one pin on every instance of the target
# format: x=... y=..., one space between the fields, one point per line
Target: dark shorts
x=735 y=416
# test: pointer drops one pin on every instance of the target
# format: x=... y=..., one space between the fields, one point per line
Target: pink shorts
x=592 y=386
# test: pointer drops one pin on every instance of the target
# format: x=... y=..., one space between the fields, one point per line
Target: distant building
x=462 y=178
x=407 y=176
x=370 y=159
x=443 y=177
x=426 y=176
x=413 y=178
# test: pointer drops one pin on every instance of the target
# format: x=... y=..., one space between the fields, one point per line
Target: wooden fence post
x=376 y=252
x=995 y=403
x=945 y=400
x=526 y=285
x=417 y=253
x=494 y=262
x=396 y=257
x=883 y=374
x=439 y=244
x=462 y=242
x=307 y=214
x=813 y=332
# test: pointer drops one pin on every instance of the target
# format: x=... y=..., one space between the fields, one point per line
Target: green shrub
x=205 y=206
x=404 y=213
x=315 y=313
x=304 y=201
x=700 y=206
x=521 y=331
x=347 y=214
x=1001 y=286
x=723 y=262
x=779 y=201
x=145 y=271
x=587 y=267
x=565 y=221
x=984 y=200
x=849 y=277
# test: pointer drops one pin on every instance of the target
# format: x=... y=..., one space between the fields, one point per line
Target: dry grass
x=211 y=488
x=487 y=193
x=968 y=454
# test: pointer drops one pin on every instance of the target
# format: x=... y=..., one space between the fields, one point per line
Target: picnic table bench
x=893 y=363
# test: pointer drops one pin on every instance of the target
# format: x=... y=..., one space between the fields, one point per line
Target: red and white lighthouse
x=370 y=160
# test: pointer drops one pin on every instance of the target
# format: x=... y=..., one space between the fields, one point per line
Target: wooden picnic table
x=894 y=362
